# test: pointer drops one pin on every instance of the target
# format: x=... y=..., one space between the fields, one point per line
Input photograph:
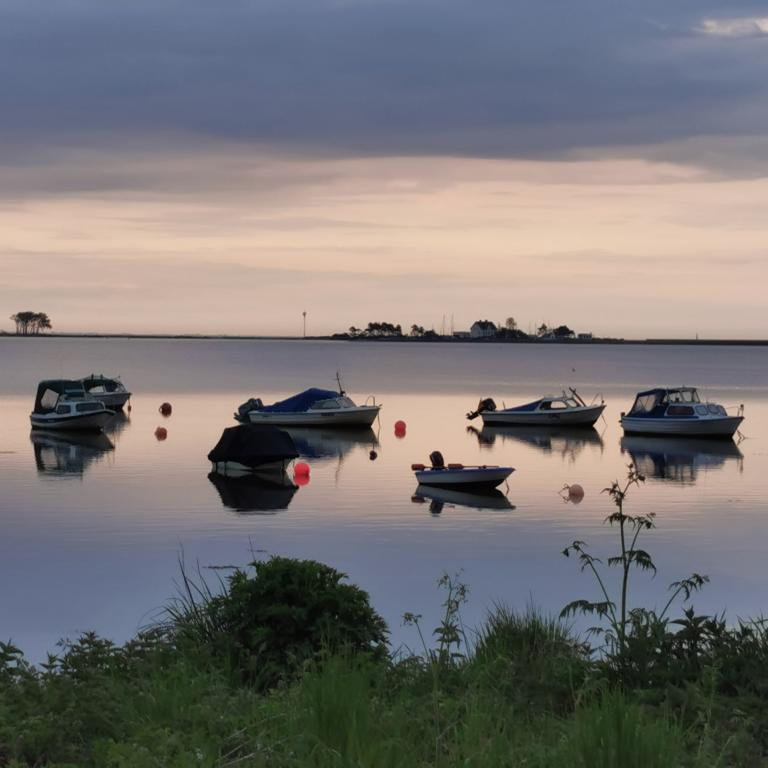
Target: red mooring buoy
x=161 y=433
x=165 y=409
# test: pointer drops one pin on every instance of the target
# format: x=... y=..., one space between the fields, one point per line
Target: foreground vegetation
x=286 y=664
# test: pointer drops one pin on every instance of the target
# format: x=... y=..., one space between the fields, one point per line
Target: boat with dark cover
x=252 y=448
x=63 y=404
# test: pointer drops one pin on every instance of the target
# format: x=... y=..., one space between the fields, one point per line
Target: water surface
x=93 y=527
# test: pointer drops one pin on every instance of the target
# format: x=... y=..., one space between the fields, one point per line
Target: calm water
x=92 y=530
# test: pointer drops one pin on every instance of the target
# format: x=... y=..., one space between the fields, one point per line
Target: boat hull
x=87 y=422
x=716 y=426
x=360 y=416
x=576 y=417
x=469 y=478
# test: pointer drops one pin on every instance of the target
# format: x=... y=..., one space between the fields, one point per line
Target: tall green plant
x=623 y=620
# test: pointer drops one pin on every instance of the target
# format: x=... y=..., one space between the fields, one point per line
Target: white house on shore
x=482 y=328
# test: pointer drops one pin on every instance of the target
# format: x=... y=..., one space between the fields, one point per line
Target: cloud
x=735 y=27
x=485 y=79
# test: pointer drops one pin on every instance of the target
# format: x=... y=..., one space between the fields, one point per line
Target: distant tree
x=510 y=324
x=376 y=330
x=417 y=331
x=563 y=332
x=542 y=330
x=354 y=331
x=31 y=323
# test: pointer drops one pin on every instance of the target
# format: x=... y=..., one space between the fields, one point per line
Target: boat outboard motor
x=253 y=404
x=486 y=404
x=438 y=462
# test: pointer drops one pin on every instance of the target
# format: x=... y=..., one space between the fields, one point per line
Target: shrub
x=281 y=613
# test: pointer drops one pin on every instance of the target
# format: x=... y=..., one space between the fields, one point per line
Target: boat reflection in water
x=440 y=497
x=568 y=442
x=68 y=454
x=251 y=493
x=314 y=443
x=679 y=459
x=117 y=425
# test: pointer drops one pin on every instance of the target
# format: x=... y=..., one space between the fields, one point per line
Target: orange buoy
x=165 y=409
x=301 y=469
x=161 y=433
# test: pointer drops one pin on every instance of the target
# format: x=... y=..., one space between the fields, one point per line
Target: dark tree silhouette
x=31 y=323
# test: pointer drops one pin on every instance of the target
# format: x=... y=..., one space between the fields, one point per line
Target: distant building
x=585 y=335
x=461 y=335
x=482 y=328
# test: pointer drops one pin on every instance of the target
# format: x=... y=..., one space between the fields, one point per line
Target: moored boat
x=63 y=404
x=111 y=391
x=311 y=408
x=562 y=410
x=679 y=411
x=476 y=477
x=252 y=448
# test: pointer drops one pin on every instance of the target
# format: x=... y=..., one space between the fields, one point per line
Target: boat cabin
x=64 y=397
x=552 y=403
x=679 y=402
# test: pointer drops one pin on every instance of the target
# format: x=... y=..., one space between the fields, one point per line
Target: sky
x=184 y=166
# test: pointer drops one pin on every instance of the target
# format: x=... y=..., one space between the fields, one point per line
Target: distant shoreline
x=401 y=340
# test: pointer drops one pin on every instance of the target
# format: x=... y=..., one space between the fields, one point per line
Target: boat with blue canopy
x=311 y=408
x=679 y=411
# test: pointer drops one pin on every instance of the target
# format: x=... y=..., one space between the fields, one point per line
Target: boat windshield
x=682 y=396
x=560 y=404
x=334 y=402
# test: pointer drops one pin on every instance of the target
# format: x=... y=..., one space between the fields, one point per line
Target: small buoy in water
x=165 y=409
x=400 y=429
x=301 y=479
x=301 y=469
x=161 y=433
x=573 y=493
x=373 y=455
x=129 y=408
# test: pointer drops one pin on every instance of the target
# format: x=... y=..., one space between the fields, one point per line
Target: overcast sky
x=178 y=165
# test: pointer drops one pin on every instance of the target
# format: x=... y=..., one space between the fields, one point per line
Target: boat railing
x=370 y=400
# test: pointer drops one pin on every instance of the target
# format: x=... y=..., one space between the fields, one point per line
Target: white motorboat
x=111 y=392
x=311 y=408
x=562 y=410
x=458 y=475
x=679 y=411
x=63 y=404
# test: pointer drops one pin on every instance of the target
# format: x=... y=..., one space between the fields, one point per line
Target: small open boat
x=63 y=404
x=679 y=411
x=458 y=475
x=111 y=392
x=311 y=408
x=562 y=410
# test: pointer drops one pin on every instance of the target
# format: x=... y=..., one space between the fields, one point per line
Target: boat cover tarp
x=253 y=445
x=527 y=407
x=301 y=402
x=58 y=386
